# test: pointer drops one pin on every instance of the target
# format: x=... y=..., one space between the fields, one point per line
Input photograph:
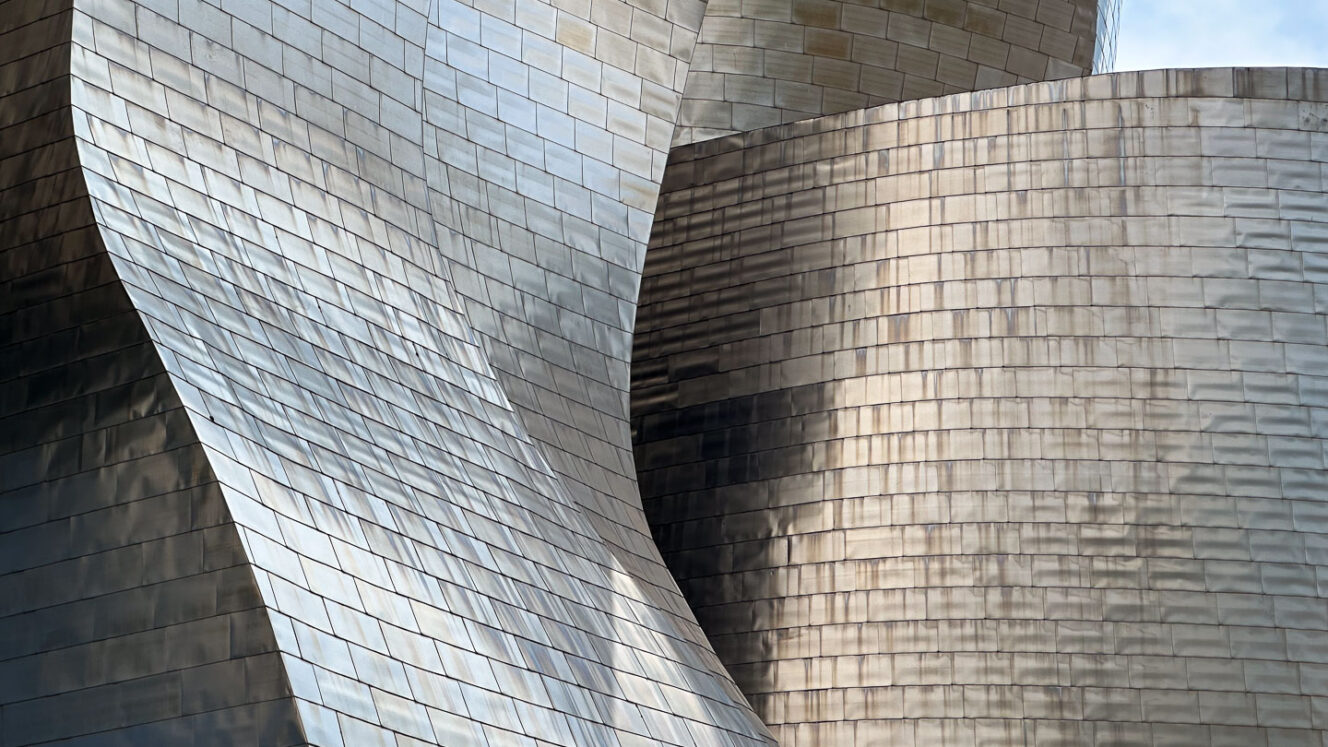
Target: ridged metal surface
x=761 y=63
x=341 y=237
x=1001 y=418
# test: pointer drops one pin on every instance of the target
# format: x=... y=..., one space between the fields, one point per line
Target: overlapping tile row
x=271 y=196
x=1001 y=418
x=126 y=604
x=765 y=62
x=547 y=128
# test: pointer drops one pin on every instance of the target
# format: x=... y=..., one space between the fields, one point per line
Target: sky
x=1222 y=33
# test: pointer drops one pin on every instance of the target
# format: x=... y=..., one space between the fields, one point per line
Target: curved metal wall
x=761 y=63
x=340 y=232
x=1000 y=418
x=126 y=602
x=546 y=131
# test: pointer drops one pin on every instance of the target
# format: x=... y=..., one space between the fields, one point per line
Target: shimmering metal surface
x=762 y=62
x=126 y=604
x=375 y=268
x=1001 y=418
x=546 y=134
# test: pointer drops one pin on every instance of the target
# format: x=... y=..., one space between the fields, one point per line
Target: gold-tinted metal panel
x=999 y=418
x=760 y=62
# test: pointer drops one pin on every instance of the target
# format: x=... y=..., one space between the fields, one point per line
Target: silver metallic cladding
x=1001 y=418
x=315 y=331
x=126 y=602
x=269 y=182
x=764 y=62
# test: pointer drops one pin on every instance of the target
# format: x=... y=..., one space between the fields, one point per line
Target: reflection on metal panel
x=126 y=604
x=382 y=259
x=761 y=63
x=1001 y=418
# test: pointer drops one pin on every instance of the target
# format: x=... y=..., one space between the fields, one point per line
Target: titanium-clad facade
x=1001 y=418
x=765 y=62
x=126 y=602
x=268 y=273
x=992 y=418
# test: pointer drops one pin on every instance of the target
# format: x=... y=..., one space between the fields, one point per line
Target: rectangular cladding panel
x=760 y=63
x=260 y=180
x=128 y=612
x=1000 y=418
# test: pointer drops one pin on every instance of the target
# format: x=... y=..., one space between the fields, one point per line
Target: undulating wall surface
x=277 y=199
x=1001 y=418
x=546 y=132
x=763 y=62
x=127 y=612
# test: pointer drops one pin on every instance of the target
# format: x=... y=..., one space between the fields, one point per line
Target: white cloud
x=1222 y=33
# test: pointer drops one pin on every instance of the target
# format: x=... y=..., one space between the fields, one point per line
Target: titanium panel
x=127 y=606
x=312 y=217
x=546 y=133
x=1000 y=418
x=761 y=63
